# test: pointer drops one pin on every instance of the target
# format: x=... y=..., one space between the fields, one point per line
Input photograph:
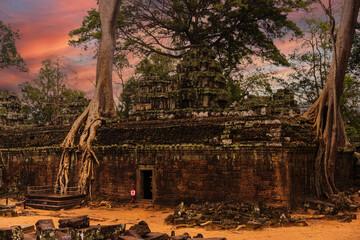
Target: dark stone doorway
x=147 y=183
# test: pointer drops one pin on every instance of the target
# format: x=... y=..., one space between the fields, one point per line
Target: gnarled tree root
x=92 y=121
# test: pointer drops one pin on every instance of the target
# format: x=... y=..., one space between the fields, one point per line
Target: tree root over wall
x=101 y=107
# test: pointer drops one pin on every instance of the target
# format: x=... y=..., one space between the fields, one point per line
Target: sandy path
x=327 y=230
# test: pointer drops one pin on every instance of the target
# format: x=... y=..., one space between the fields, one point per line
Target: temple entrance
x=147 y=185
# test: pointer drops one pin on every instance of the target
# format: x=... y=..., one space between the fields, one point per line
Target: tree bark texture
x=100 y=107
x=325 y=112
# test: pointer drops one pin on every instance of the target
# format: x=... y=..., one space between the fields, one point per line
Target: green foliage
x=9 y=56
x=126 y=97
x=350 y=105
x=158 y=65
x=237 y=30
x=258 y=83
x=354 y=60
x=46 y=98
x=89 y=34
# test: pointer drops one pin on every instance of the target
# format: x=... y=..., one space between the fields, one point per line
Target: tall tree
x=325 y=112
x=9 y=56
x=47 y=97
x=100 y=107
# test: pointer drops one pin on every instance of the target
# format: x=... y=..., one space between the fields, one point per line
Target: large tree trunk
x=325 y=112
x=100 y=107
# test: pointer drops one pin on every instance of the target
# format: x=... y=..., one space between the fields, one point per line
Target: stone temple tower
x=197 y=87
x=200 y=82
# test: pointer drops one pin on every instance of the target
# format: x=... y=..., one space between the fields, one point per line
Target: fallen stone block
x=45 y=229
x=180 y=237
x=26 y=228
x=44 y=224
x=13 y=233
x=30 y=236
x=141 y=228
x=82 y=221
x=98 y=232
x=156 y=236
x=63 y=236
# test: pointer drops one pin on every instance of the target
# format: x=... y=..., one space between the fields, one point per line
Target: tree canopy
x=47 y=99
x=237 y=30
x=9 y=56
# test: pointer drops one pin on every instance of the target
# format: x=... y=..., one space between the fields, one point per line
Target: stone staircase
x=45 y=198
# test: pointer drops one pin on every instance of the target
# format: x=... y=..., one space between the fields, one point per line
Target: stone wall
x=214 y=159
x=271 y=175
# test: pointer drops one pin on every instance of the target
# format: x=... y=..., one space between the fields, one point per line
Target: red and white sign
x=133 y=193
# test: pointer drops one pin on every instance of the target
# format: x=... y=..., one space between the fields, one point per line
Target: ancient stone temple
x=181 y=144
x=197 y=88
x=10 y=109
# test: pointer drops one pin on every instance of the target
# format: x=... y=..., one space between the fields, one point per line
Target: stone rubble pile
x=233 y=215
x=79 y=228
x=240 y=215
x=335 y=210
x=11 y=211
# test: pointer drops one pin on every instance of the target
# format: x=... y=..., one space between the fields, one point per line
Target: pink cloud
x=44 y=27
x=45 y=24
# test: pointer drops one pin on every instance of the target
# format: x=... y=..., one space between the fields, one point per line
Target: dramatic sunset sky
x=44 y=26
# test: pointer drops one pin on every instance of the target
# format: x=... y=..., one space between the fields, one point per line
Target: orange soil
x=317 y=230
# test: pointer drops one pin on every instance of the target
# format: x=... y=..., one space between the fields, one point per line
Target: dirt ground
x=130 y=215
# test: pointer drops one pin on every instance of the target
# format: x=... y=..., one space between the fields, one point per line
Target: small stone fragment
x=156 y=236
x=206 y=223
x=180 y=237
x=169 y=219
x=199 y=235
x=253 y=225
